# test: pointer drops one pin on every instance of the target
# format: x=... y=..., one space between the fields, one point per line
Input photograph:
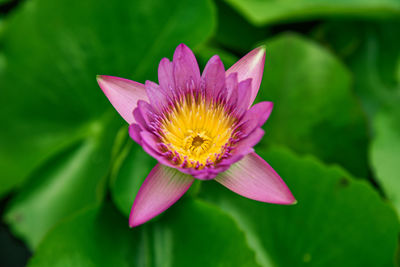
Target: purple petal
x=251 y=66
x=156 y=96
x=244 y=95
x=232 y=89
x=151 y=140
x=123 y=94
x=144 y=114
x=214 y=77
x=185 y=68
x=244 y=148
x=162 y=188
x=246 y=145
x=165 y=75
x=151 y=145
x=256 y=116
x=134 y=133
x=140 y=118
x=253 y=178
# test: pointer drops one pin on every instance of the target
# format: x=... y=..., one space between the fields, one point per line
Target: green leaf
x=273 y=11
x=374 y=57
x=371 y=51
x=53 y=51
x=314 y=109
x=234 y=32
x=4 y=2
x=338 y=221
x=193 y=234
x=93 y=237
x=385 y=155
x=67 y=183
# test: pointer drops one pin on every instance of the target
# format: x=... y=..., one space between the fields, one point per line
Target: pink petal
x=123 y=94
x=232 y=88
x=214 y=76
x=244 y=95
x=253 y=178
x=256 y=116
x=165 y=75
x=251 y=66
x=162 y=188
x=245 y=146
x=156 y=96
x=151 y=145
x=134 y=133
x=185 y=68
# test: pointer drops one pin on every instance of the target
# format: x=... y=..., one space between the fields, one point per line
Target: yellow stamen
x=197 y=130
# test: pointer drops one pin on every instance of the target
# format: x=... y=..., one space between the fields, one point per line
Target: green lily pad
x=274 y=11
x=49 y=90
x=193 y=234
x=371 y=51
x=236 y=33
x=338 y=221
x=385 y=155
x=4 y=2
x=67 y=183
x=314 y=111
x=374 y=58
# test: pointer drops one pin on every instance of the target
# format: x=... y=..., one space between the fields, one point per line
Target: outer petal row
x=123 y=94
x=162 y=188
x=253 y=178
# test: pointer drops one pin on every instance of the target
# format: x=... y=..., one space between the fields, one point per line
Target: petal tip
x=134 y=218
x=262 y=48
x=181 y=48
x=135 y=223
x=99 y=79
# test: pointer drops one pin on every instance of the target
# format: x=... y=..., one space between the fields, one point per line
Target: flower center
x=197 y=132
x=197 y=143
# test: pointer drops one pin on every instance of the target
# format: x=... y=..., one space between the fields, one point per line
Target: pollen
x=197 y=132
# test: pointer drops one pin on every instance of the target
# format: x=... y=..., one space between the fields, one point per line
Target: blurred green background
x=69 y=172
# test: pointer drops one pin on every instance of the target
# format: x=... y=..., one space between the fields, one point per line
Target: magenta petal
x=123 y=94
x=134 y=133
x=151 y=145
x=253 y=178
x=261 y=112
x=156 y=96
x=214 y=76
x=244 y=95
x=251 y=66
x=256 y=116
x=246 y=145
x=185 y=68
x=162 y=188
x=151 y=140
x=165 y=75
x=231 y=83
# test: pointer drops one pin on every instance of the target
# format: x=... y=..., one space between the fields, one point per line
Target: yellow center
x=197 y=131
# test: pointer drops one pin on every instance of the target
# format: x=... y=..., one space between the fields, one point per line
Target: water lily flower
x=198 y=126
